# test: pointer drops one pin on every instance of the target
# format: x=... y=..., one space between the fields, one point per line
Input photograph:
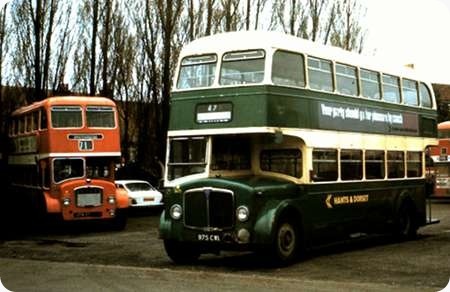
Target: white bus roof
x=247 y=40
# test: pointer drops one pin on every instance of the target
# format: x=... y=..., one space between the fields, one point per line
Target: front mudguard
x=165 y=226
x=267 y=220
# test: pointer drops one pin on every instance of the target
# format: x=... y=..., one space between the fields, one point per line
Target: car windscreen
x=138 y=187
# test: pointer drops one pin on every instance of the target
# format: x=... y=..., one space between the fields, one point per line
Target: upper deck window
x=21 y=122
x=43 y=120
x=197 y=71
x=410 y=94
x=425 y=96
x=100 y=117
x=66 y=117
x=242 y=67
x=320 y=74
x=391 y=88
x=288 y=69
x=346 y=79
x=370 y=84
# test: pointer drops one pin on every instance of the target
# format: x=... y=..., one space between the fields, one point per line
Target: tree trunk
x=38 y=95
x=93 y=59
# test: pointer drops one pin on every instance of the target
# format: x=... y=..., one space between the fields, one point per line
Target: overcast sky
x=409 y=32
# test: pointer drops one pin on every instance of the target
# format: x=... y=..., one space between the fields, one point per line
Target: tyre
x=286 y=243
x=120 y=221
x=406 y=226
x=181 y=253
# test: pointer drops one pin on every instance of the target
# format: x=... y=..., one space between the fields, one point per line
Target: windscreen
x=197 y=71
x=187 y=156
x=67 y=168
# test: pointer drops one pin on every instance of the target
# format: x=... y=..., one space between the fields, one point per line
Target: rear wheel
x=181 y=253
x=406 y=226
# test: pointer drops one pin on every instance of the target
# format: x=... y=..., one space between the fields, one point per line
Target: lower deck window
x=285 y=161
x=351 y=164
x=325 y=167
x=374 y=164
x=396 y=164
x=414 y=164
x=231 y=153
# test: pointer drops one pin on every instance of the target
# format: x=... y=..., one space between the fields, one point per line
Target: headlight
x=176 y=211
x=66 y=201
x=111 y=200
x=242 y=213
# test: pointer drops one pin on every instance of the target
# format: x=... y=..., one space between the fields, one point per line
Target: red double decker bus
x=62 y=158
x=441 y=162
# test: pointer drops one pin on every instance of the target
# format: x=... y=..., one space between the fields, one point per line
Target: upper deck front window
x=243 y=67
x=66 y=117
x=100 y=117
x=197 y=71
x=288 y=69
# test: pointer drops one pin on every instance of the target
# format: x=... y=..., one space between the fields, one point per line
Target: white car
x=141 y=193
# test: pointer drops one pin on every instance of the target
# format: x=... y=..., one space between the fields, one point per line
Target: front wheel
x=119 y=222
x=181 y=253
x=286 y=243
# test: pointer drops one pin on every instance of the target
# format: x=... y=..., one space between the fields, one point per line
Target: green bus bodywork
x=275 y=106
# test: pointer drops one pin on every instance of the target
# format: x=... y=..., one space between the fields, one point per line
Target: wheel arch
x=270 y=216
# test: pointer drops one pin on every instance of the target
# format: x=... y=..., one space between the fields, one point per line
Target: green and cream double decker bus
x=277 y=144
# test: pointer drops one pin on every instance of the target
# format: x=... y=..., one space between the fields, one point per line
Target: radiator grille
x=89 y=197
x=209 y=208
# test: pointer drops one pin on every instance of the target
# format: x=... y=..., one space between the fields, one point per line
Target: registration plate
x=208 y=237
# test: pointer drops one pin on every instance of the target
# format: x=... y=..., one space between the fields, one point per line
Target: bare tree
x=209 y=16
x=291 y=16
x=34 y=27
x=64 y=46
x=193 y=26
x=3 y=39
x=105 y=47
x=228 y=17
x=4 y=34
x=260 y=4
x=168 y=14
x=93 y=52
x=347 y=32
